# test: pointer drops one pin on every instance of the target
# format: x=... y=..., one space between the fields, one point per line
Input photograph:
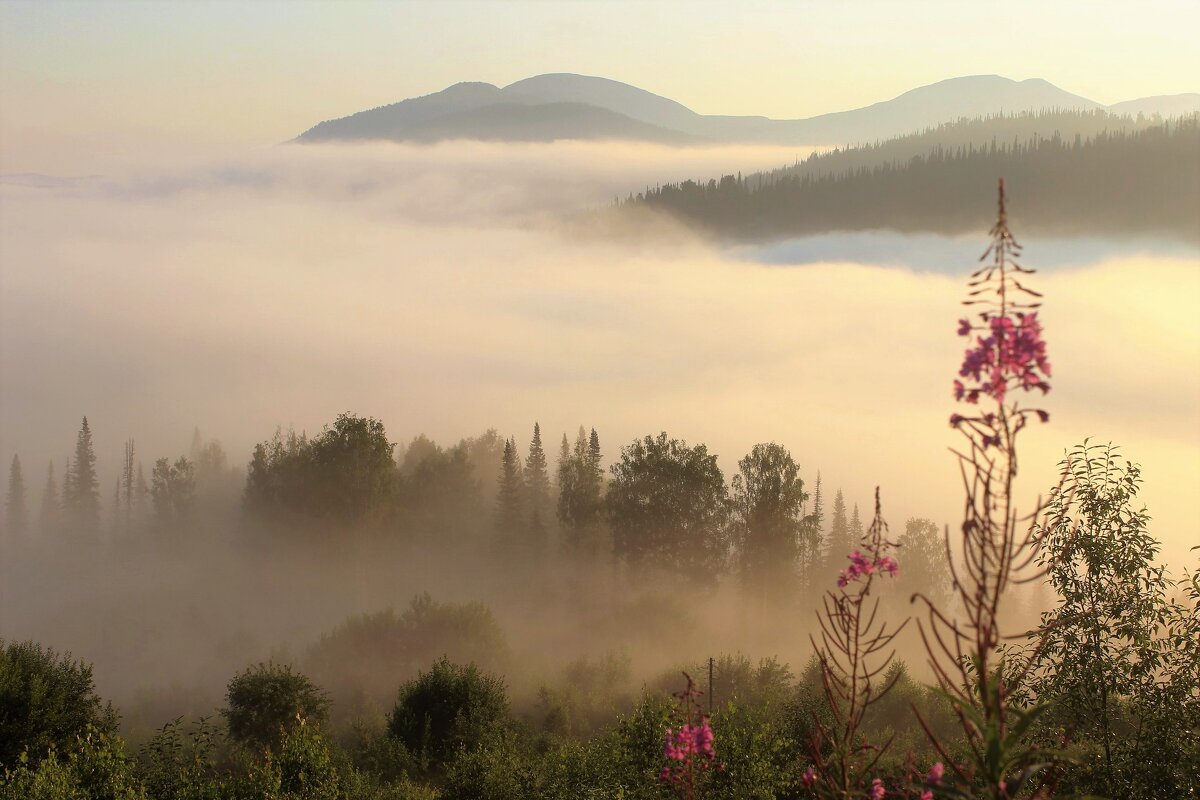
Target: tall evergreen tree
x=68 y=493
x=594 y=458
x=509 y=497
x=840 y=543
x=856 y=527
x=84 y=503
x=537 y=479
x=48 y=516
x=580 y=493
x=814 y=536
x=16 y=517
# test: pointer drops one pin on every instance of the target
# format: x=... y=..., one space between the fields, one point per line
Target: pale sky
x=84 y=84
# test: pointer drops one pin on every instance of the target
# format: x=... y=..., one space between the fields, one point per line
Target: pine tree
x=68 y=490
x=856 y=527
x=818 y=512
x=84 y=503
x=509 y=511
x=580 y=489
x=840 y=543
x=48 y=516
x=594 y=459
x=16 y=518
x=537 y=480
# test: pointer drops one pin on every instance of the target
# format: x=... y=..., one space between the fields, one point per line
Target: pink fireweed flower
x=877 y=790
x=809 y=777
x=703 y=734
x=926 y=795
x=935 y=774
x=1012 y=357
x=862 y=565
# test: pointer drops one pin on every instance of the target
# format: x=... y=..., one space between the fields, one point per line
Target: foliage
x=46 y=700
x=580 y=494
x=771 y=538
x=510 y=499
x=268 y=699
x=924 y=548
x=1119 y=658
x=917 y=183
x=668 y=508
x=537 y=479
x=175 y=765
x=449 y=708
x=345 y=473
x=589 y=695
x=81 y=493
x=95 y=767
x=172 y=490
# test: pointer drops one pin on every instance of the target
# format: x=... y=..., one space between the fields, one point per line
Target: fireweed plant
x=1006 y=358
x=854 y=652
x=688 y=750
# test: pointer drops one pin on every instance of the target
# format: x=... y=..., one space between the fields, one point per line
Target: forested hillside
x=1067 y=184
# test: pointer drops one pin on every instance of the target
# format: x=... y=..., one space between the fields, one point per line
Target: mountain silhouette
x=569 y=106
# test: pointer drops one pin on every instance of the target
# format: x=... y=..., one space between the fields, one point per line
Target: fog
x=451 y=289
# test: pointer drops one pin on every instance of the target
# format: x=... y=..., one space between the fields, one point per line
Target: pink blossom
x=1012 y=357
x=935 y=774
x=926 y=795
x=877 y=790
x=809 y=777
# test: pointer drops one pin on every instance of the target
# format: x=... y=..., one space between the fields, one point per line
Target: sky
x=84 y=86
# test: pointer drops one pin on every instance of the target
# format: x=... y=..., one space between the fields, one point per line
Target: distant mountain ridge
x=569 y=106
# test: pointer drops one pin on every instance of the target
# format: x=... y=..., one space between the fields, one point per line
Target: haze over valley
x=415 y=453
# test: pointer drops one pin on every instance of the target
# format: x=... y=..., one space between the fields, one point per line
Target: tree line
x=662 y=509
x=1068 y=184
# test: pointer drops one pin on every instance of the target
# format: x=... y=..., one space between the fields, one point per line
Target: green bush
x=447 y=709
x=267 y=699
x=95 y=767
x=46 y=700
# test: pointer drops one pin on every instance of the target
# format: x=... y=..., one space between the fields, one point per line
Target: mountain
x=568 y=106
x=1167 y=105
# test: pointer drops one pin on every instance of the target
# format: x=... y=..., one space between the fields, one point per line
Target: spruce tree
x=16 y=518
x=48 y=516
x=856 y=527
x=594 y=458
x=537 y=479
x=68 y=493
x=840 y=543
x=509 y=511
x=813 y=536
x=84 y=502
x=580 y=490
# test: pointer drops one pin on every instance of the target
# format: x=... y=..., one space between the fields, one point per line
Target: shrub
x=94 y=768
x=267 y=699
x=46 y=700
x=447 y=709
